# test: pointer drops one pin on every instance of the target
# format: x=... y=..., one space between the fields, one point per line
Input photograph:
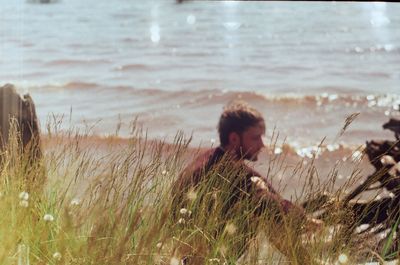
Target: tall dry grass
x=100 y=202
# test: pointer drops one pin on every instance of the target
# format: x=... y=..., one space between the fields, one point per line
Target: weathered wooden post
x=19 y=127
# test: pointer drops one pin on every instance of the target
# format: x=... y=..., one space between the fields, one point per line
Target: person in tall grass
x=229 y=200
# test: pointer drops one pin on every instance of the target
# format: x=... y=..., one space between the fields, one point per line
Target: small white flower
x=181 y=221
x=159 y=245
x=24 y=196
x=278 y=150
x=174 y=261
x=75 y=202
x=48 y=218
x=57 y=256
x=164 y=172
x=343 y=259
x=24 y=204
x=185 y=211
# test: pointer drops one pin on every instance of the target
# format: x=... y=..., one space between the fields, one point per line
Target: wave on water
x=374 y=49
x=76 y=62
x=133 y=67
x=217 y=96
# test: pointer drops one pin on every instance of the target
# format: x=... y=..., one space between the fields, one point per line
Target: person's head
x=240 y=129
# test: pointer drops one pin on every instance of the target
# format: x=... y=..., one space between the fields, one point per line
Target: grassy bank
x=102 y=202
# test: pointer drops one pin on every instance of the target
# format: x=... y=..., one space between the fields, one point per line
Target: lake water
x=305 y=66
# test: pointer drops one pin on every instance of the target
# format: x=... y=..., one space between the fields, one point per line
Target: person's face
x=251 y=142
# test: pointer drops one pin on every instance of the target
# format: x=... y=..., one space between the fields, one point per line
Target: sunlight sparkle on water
x=230 y=3
x=191 y=19
x=378 y=15
x=155 y=33
x=232 y=25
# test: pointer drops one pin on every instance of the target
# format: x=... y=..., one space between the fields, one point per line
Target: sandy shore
x=287 y=170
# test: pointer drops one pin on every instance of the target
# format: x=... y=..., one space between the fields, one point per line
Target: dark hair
x=237 y=117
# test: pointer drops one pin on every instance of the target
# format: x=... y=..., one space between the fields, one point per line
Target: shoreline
x=343 y=159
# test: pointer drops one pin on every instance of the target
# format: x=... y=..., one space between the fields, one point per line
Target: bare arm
x=268 y=196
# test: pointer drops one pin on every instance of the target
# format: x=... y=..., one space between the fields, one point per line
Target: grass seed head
x=24 y=196
x=48 y=217
x=57 y=256
x=75 y=202
x=343 y=259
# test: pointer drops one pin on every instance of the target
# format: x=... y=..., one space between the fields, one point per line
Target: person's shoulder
x=201 y=160
x=198 y=162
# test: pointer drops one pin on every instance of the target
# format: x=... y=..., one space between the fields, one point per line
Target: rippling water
x=306 y=66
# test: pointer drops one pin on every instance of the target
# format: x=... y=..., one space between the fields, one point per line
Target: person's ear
x=234 y=139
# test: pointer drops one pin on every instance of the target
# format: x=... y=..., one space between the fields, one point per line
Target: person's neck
x=231 y=151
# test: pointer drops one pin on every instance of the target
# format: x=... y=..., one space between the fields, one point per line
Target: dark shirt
x=226 y=191
x=243 y=181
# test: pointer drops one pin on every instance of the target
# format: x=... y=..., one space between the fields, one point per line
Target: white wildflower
x=24 y=196
x=159 y=245
x=343 y=259
x=75 y=202
x=48 y=218
x=57 y=256
x=24 y=204
x=164 y=172
x=181 y=221
x=278 y=150
x=184 y=211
